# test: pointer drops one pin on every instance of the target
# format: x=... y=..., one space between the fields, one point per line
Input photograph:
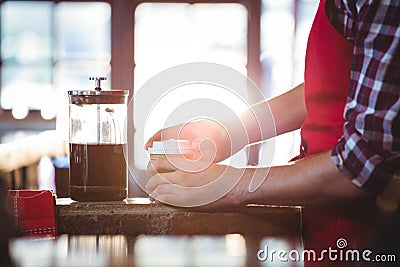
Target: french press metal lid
x=97 y=96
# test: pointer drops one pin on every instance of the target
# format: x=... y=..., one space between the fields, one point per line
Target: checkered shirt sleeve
x=369 y=150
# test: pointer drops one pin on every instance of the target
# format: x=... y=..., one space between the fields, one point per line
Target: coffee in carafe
x=97 y=144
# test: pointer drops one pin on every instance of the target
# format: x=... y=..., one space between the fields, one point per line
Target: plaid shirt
x=369 y=151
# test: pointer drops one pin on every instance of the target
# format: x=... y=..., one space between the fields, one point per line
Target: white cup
x=170 y=148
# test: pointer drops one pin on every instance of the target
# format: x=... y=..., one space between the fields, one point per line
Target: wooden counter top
x=134 y=217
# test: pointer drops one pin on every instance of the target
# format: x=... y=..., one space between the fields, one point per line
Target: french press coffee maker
x=97 y=142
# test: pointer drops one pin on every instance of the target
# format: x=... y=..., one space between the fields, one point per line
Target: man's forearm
x=311 y=181
x=276 y=116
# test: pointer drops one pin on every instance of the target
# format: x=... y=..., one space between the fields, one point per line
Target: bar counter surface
x=139 y=216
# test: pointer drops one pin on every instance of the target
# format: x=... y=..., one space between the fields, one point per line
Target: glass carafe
x=97 y=142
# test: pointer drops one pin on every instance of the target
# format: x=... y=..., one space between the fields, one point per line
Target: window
x=54 y=48
x=170 y=34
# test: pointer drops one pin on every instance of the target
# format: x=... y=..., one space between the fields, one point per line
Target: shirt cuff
x=365 y=167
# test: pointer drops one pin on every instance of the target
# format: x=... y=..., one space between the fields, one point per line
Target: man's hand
x=197 y=132
x=194 y=183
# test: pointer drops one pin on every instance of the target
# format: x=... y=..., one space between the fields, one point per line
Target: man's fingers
x=160 y=189
x=165 y=134
x=176 y=195
x=161 y=179
x=155 y=137
x=155 y=181
x=167 y=194
x=171 y=194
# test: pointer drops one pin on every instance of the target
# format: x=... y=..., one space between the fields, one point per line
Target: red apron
x=327 y=81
